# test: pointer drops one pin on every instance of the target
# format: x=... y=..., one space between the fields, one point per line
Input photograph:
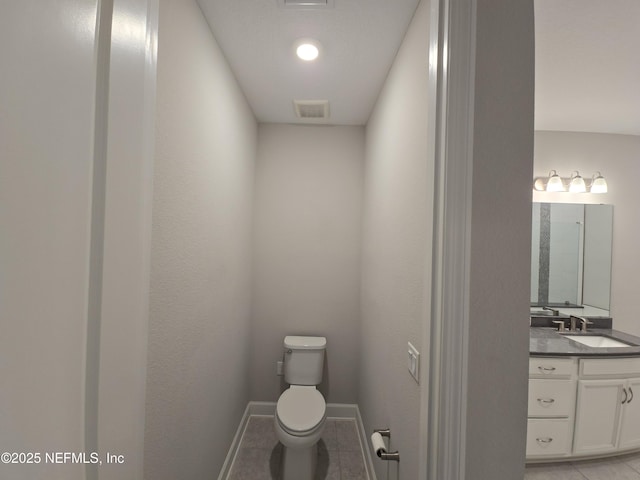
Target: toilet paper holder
x=379 y=446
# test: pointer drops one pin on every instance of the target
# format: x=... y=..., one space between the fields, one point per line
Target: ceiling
x=359 y=40
x=588 y=65
x=587 y=58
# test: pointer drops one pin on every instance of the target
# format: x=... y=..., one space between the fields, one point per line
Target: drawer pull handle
x=546 y=369
x=545 y=440
x=546 y=401
x=626 y=396
x=631 y=392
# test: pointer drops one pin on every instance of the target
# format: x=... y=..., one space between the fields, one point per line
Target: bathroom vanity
x=584 y=394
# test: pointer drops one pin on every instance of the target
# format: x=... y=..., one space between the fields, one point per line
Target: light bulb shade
x=555 y=182
x=540 y=184
x=577 y=184
x=599 y=184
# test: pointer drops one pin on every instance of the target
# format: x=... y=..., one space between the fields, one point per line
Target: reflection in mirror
x=571 y=255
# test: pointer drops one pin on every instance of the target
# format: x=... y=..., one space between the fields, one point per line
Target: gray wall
x=308 y=199
x=198 y=367
x=616 y=156
x=397 y=231
x=500 y=240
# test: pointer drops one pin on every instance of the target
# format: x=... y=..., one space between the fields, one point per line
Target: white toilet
x=301 y=409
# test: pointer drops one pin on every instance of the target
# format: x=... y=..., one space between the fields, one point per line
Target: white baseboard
x=334 y=410
x=366 y=447
x=233 y=449
x=261 y=408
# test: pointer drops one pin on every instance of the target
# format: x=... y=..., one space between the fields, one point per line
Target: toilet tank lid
x=305 y=343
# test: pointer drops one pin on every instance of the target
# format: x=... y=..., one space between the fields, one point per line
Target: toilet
x=301 y=409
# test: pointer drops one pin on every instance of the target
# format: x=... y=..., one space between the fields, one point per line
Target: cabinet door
x=630 y=422
x=598 y=411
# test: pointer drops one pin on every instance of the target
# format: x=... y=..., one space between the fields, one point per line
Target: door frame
x=451 y=89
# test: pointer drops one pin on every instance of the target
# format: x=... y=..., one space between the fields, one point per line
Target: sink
x=599 y=341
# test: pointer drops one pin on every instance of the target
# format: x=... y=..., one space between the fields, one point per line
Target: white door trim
x=451 y=84
x=124 y=283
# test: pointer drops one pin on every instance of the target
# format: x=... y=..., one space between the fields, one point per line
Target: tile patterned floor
x=626 y=467
x=340 y=457
x=339 y=452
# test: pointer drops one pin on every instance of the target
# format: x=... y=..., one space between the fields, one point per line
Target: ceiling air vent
x=312 y=109
x=306 y=3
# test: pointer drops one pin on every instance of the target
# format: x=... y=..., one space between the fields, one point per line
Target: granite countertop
x=545 y=341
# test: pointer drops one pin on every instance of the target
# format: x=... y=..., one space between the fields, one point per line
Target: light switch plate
x=413 y=362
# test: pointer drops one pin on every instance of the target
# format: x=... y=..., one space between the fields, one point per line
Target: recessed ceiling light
x=307 y=50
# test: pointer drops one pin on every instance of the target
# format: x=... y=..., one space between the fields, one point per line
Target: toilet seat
x=300 y=410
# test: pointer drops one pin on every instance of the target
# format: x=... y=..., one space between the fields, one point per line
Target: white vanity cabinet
x=630 y=421
x=598 y=415
x=552 y=390
x=607 y=408
x=582 y=407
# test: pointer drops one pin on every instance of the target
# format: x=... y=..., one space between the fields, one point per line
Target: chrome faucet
x=561 y=325
x=553 y=311
x=572 y=321
x=583 y=323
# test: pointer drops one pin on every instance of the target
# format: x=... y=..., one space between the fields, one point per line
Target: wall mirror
x=571 y=255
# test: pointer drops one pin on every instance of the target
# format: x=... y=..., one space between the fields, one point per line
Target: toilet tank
x=304 y=360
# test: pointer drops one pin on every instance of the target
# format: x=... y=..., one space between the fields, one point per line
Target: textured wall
x=616 y=156
x=396 y=242
x=198 y=383
x=500 y=261
x=308 y=201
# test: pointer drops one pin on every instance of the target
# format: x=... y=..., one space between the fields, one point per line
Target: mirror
x=571 y=255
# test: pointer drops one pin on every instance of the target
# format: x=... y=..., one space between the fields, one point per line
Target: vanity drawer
x=610 y=366
x=548 y=437
x=551 y=366
x=551 y=398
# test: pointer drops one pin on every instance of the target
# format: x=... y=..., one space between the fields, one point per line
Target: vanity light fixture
x=554 y=183
x=576 y=184
x=307 y=50
x=598 y=184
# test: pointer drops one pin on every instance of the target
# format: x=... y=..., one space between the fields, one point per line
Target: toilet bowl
x=300 y=415
x=299 y=423
x=301 y=409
